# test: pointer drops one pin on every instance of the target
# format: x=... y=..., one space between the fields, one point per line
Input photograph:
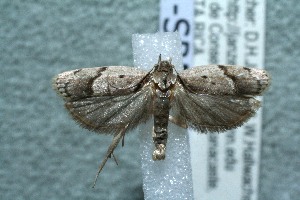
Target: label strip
x=178 y=15
x=225 y=166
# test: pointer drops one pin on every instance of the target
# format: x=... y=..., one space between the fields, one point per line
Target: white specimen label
x=226 y=165
x=178 y=15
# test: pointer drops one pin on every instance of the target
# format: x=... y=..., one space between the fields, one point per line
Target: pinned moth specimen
x=115 y=99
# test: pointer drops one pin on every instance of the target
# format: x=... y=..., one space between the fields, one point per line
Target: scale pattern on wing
x=110 y=114
x=225 y=80
x=205 y=112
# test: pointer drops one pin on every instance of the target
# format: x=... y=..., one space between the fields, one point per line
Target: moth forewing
x=225 y=80
x=98 y=81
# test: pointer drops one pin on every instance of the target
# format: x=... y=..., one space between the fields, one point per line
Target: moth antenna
x=170 y=60
x=159 y=58
x=123 y=140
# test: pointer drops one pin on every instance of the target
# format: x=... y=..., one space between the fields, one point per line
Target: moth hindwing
x=115 y=99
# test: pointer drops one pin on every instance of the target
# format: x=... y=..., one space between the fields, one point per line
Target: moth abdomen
x=161 y=108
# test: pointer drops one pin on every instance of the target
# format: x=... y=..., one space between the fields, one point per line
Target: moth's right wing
x=106 y=99
x=218 y=97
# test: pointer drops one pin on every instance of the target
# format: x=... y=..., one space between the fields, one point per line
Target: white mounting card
x=226 y=166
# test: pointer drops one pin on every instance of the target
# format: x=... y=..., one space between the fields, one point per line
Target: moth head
x=164 y=66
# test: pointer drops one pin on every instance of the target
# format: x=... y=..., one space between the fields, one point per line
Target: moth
x=115 y=99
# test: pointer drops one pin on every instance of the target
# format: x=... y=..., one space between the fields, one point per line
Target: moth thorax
x=161 y=94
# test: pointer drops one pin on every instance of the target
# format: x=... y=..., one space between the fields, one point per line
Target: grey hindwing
x=106 y=114
x=205 y=112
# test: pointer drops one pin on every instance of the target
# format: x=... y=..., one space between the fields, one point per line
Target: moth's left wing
x=106 y=99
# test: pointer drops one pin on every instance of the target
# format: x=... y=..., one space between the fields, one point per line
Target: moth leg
x=113 y=155
x=110 y=150
x=179 y=121
x=123 y=140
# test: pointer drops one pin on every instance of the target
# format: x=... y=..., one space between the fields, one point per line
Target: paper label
x=178 y=15
x=225 y=166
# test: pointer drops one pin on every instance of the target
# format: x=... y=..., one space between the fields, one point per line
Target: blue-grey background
x=46 y=155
